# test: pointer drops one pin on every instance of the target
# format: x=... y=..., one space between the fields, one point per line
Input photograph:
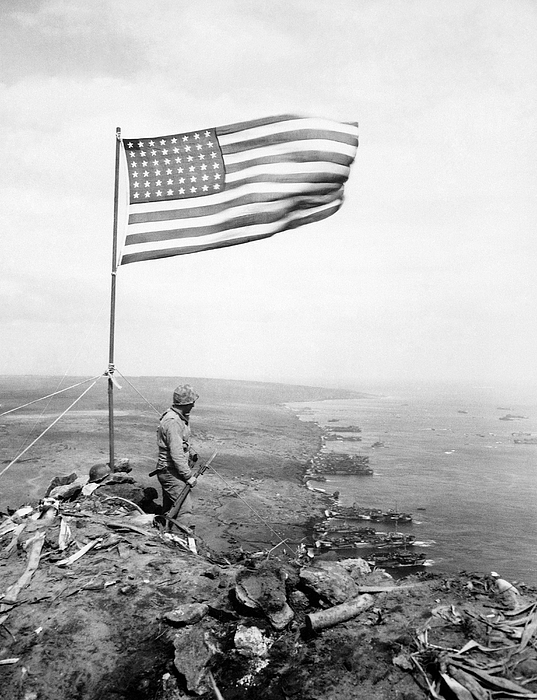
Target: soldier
x=175 y=455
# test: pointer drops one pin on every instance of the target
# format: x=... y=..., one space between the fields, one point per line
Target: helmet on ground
x=98 y=472
x=184 y=394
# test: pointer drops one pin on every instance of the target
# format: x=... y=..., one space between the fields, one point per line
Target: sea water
x=449 y=458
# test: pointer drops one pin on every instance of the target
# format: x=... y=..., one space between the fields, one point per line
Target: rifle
x=187 y=488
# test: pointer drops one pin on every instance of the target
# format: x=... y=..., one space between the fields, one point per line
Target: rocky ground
x=239 y=610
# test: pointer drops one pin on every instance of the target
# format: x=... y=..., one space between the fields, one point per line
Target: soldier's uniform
x=175 y=454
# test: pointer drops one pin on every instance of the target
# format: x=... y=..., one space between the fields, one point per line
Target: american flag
x=233 y=184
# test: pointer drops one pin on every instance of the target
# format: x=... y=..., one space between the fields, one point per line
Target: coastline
x=146 y=618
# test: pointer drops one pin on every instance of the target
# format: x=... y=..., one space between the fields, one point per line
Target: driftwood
x=80 y=553
x=339 y=613
x=34 y=555
x=478 y=679
x=388 y=589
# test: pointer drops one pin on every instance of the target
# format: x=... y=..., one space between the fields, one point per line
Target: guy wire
x=282 y=541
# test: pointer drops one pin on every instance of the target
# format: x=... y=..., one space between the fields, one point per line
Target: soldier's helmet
x=98 y=472
x=184 y=394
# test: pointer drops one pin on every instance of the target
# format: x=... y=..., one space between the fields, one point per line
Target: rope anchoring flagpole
x=50 y=426
x=48 y=396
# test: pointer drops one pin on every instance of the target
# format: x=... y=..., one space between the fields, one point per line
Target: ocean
x=449 y=458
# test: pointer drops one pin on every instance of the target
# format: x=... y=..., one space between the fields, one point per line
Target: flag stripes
x=235 y=237
x=247 y=215
x=280 y=173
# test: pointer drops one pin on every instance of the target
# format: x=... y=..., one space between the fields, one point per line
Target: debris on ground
x=98 y=600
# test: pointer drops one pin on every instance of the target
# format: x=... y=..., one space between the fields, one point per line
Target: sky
x=427 y=273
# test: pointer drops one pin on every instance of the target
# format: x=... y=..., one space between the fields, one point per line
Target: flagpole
x=113 y=308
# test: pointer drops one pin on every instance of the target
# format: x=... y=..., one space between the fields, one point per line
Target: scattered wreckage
x=99 y=600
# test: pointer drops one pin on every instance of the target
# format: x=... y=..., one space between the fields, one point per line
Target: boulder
x=356 y=567
x=264 y=589
x=121 y=464
x=70 y=490
x=329 y=581
x=60 y=481
x=194 y=649
x=187 y=614
x=250 y=642
x=130 y=491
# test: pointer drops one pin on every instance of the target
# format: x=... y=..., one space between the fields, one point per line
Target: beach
x=459 y=458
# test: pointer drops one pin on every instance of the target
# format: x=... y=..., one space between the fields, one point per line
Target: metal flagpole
x=113 y=308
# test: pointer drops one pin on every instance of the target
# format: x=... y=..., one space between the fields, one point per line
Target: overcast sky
x=427 y=272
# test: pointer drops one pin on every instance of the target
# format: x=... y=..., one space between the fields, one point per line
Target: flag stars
x=156 y=179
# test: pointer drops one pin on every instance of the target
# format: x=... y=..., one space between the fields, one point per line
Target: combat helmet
x=184 y=394
x=98 y=472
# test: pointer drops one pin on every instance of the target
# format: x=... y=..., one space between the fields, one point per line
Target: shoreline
x=141 y=616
